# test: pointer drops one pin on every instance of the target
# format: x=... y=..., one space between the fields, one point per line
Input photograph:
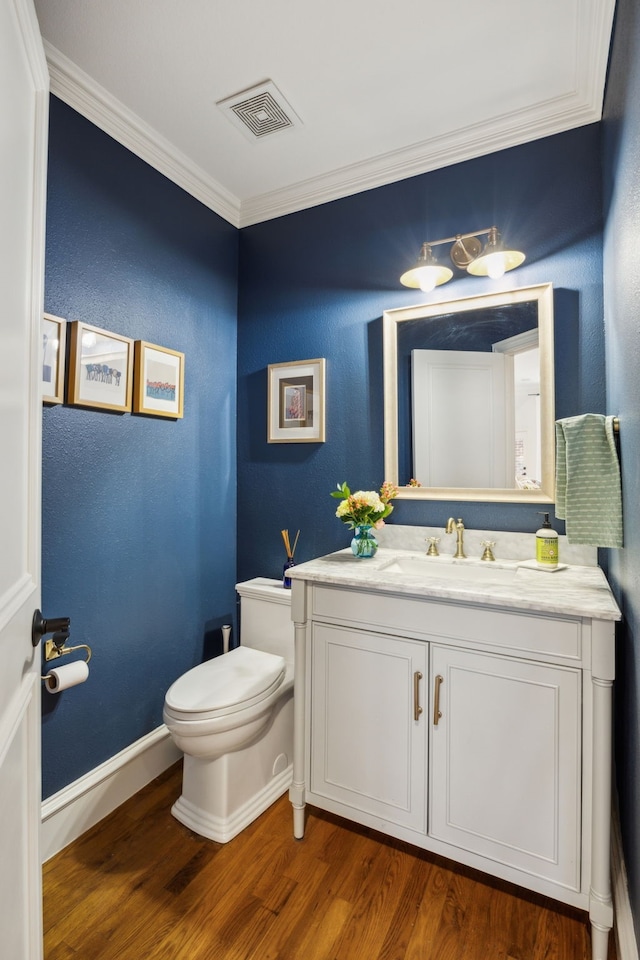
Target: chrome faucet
x=458 y=526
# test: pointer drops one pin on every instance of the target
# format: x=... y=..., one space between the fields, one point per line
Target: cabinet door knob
x=417 y=709
x=436 y=700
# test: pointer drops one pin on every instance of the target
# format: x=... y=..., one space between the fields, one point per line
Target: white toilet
x=232 y=717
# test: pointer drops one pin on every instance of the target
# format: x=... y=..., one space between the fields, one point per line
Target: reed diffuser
x=286 y=581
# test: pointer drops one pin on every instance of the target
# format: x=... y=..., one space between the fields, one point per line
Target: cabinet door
x=505 y=761
x=368 y=750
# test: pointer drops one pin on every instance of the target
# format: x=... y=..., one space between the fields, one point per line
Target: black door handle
x=59 y=627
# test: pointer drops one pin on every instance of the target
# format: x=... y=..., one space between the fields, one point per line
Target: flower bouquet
x=362 y=511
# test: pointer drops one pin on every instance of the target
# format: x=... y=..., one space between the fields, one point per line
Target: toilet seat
x=225 y=685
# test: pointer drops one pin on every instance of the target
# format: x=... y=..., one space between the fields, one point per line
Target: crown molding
x=576 y=108
x=508 y=130
x=78 y=90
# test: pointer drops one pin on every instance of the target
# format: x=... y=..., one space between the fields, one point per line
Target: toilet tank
x=265 y=617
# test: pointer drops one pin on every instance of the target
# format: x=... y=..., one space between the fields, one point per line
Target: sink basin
x=434 y=569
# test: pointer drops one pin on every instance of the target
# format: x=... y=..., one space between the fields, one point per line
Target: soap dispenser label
x=547 y=550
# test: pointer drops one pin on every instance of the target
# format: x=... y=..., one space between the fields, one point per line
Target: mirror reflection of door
x=525 y=352
x=476 y=416
x=463 y=428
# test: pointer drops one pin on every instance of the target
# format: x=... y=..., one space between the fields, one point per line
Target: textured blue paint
x=315 y=284
x=622 y=310
x=138 y=512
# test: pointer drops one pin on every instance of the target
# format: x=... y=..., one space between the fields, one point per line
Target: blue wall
x=622 y=321
x=139 y=512
x=315 y=284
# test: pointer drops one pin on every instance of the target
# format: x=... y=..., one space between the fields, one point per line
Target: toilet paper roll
x=70 y=675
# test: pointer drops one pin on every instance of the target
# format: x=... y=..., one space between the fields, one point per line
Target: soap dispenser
x=547 y=544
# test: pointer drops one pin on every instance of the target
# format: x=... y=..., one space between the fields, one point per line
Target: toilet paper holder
x=57 y=645
x=53 y=650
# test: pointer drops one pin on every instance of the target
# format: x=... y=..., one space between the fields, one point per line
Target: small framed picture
x=296 y=402
x=158 y=382
x=54 y=331
x=100 y=368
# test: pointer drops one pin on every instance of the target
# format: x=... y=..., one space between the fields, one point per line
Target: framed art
x=296 y=402
x=158 y=382
x=100 y=368
x=54 y=330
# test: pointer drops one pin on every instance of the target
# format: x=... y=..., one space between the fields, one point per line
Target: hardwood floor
x=140 y=886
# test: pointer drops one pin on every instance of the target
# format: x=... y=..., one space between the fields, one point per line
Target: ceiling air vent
x=260 y=111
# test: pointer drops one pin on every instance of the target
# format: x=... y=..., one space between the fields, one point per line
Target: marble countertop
x=574 y=590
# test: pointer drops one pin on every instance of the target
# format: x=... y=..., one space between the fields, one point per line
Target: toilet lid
x=226 y=684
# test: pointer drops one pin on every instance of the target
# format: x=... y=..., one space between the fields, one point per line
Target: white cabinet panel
x=368 y=750
x=505 y=761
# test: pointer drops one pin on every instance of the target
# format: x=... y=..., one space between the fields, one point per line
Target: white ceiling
x=383 y=90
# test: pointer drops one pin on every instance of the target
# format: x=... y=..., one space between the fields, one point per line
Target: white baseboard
x=74 y=809
x=625 y=934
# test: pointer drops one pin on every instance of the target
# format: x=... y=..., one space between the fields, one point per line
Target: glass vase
x=364 y=543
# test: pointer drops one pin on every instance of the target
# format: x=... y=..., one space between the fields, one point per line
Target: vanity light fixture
x=467 y=253
x=426 y=272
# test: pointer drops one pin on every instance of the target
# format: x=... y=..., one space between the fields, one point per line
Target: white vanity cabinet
x=478 y=732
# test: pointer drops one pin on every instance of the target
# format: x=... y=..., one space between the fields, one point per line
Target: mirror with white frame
x=469 y=398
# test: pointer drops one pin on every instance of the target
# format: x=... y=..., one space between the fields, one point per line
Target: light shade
x=426 y=273
x=495 y=260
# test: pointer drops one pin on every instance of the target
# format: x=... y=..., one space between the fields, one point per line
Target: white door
x=368 y=749
x=505 y=758
x=463 y=419
x=23 y=138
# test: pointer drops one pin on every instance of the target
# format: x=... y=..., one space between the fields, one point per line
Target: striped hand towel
x=588 y=490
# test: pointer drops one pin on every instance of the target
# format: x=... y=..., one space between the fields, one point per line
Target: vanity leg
x=298 y=821
x=297 y=788
x=600 y=902
x=599 y=942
